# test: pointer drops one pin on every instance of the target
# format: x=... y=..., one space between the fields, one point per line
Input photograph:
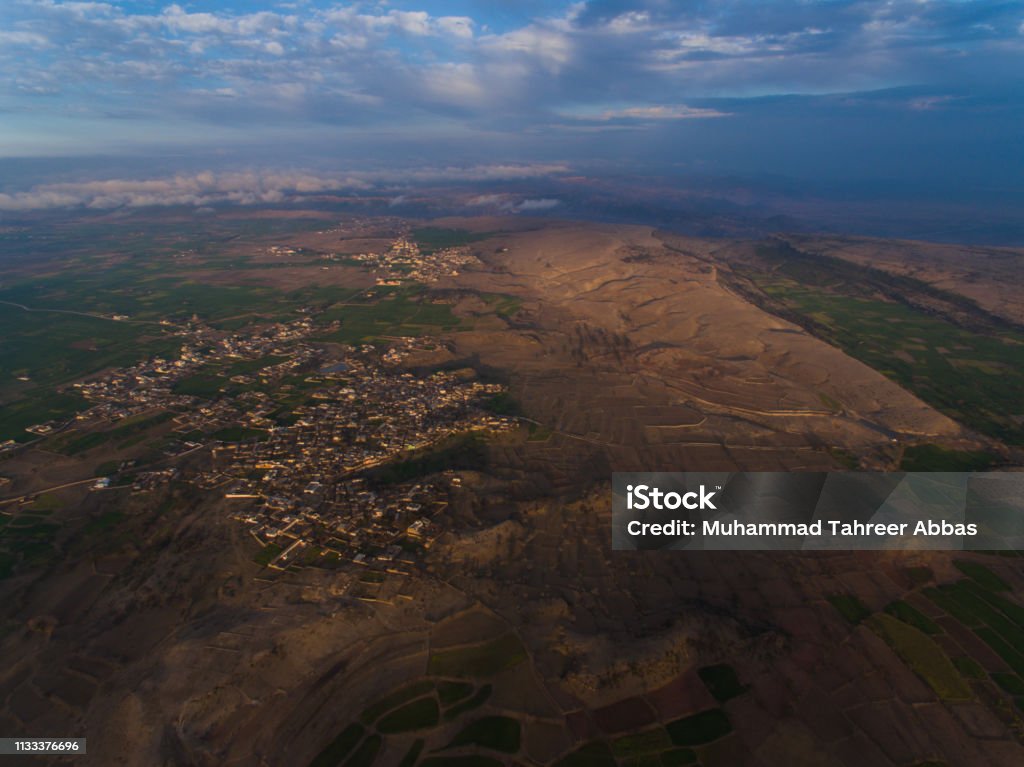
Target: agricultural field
x=431 y=238
x=443 y=719
x=963 y=639
x=407 y=311
x=965 y=363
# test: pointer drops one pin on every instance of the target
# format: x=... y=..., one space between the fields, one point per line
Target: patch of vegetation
x=503 y=304
x=339 y=748
x=51 y=349
x=106 y=468
x=412 y=754
x=239 y=434
x=475 y=702
x=367 y=752
x=46 y=503
x=267 y=554
x=452 y=692
x=472 y=760
x=981 y=575
x=504 y=403
x=539 y=433
x=850 y=607
x=245 y=367
x=968 y=667
x=461 y=451
x=919 y=575
x=431 y=238
x=136 y=427
x=647 y=742
x=395 y=699
x=27 y=540
x=485 y=659
x=937 y=458
x=595 y=754
x=1010 y=610
x=699 y=729
x=923 y=655
x=417 y=715
x=103 y=523
x=722 y=682
x=406 y=312
x=498 y=733
x=36 y=407
x=844 y=458
x=1011 y=683
x=203 y=385
x=678 y=757
x=908 y=614
x=74 y=442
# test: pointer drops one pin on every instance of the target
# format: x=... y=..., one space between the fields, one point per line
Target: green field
x=936 y=458
x=417 y=715
x=484 y=659
x=906 y=613
x=395 y=699
x=460 y=451
x=267 y=554
x=239 y=434
x=339 y=748
x=452 y=692
x=431 y=238
x=851 y=608
x=923 y=655
x=698 y=729
x=647 y=742
x=404 y=312
x=104 y=270
x=722 y=682
x=478 y=699
x=75 y=442
x=26 y=541
x=498 y=733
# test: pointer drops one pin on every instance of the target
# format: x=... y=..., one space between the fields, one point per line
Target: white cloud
x=31 y=39
x=540 y=204
x=488 y=200
x=551 y=47
x=454 y=84
x=253 y=187
x=456 y=26
x=657 y=112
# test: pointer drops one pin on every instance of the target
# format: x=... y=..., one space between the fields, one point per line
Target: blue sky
x=926 y=94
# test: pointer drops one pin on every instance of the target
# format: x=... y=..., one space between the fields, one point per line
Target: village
x=297 y=430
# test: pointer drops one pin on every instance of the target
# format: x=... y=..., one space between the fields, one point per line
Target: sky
x=248 y=101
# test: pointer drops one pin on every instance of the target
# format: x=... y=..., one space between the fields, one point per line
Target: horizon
x=797 y=109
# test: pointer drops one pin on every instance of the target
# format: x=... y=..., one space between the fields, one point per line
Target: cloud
x=527 y=206
x=609 y=66
x=489 y=200
x=930 y=103
x=254 y=187
x=508 y=203
x=30 y=39
x=657 y=112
